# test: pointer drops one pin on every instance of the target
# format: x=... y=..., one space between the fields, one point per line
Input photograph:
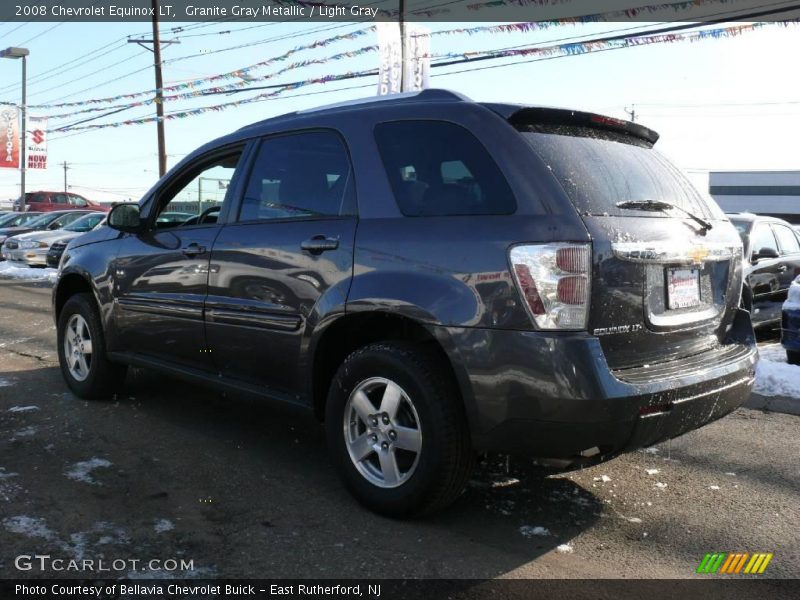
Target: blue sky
x=718 y=104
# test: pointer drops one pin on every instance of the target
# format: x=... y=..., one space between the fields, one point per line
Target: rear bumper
x=554 y=396
x=790 y=329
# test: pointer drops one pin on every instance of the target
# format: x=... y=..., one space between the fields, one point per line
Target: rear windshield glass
x=438 y=168
x=599 y=169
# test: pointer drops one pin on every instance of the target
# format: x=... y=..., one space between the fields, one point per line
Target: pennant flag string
x=569 y=49
x=245 y=79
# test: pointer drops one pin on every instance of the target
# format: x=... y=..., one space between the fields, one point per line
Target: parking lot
x=244 y=489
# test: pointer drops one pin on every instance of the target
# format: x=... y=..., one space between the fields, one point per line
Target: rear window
x=438 y=168
x=599 y=169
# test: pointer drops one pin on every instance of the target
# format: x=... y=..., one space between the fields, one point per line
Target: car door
x=764 y=277
x=161 y=275
x=289 y=251
x=789 y=266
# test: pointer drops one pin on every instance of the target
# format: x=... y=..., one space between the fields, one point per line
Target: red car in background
x=47 y=201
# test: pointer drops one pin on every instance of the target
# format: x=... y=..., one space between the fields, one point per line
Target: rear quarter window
x=436 y=168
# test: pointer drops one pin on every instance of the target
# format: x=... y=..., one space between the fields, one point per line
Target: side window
x=77 y=200
x=38 y=198
x=787 y=239
x=59 y=198
x=437 y=168
x=197 y=196
x=762 y=238
x=299 y=175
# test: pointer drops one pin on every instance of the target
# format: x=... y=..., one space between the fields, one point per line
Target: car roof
x=745 y=216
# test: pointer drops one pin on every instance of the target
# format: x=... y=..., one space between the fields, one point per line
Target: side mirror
x=125 y=217
x=764 y=253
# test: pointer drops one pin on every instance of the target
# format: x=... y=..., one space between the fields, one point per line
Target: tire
x=793 y=357
x=90 y=375
x=392 y=478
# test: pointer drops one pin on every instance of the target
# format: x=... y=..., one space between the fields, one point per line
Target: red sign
x=9 y=132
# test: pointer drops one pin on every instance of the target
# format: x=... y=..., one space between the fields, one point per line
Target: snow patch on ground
x=652 y=471
x=82 y=471
x=18 y=409
x=661 y=486
x=28 y=273
x=774 y=376
x=5 y=382
x=32 y=527
x=565 y=549
x=532 y=531
x=24 y=432
x=603 y=478
x=163 y=525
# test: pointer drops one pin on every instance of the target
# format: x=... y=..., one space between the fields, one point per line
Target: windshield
x=84 y=224
x=20 y=219
x=600 y=169
x=743 y=229
x=43 y=220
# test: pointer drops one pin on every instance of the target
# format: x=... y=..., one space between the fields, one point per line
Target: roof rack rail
x=429 y=95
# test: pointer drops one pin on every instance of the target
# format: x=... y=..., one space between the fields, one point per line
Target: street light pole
x=23 y=54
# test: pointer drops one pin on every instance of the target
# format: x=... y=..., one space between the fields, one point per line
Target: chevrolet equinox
x=435 y=279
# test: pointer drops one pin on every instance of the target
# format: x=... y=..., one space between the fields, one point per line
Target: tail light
x=554 y=281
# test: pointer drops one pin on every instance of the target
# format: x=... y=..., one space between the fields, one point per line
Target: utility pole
x=65 y=176
x=156 y=49
x=402 y=23
x=631 y=113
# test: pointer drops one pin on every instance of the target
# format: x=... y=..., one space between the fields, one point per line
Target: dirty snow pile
x=29 y=273
x=775 y=377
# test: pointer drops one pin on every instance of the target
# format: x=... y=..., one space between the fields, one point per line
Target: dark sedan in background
x=771 y=262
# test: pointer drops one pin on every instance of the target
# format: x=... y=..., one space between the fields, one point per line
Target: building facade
x=773 y=193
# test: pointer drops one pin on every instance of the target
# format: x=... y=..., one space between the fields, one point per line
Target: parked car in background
x=15 y=222
x=48 y=221
x=47 y=201
x=31 y=249
x=434 y=278
x=790 y=323
x=174 y=218
x=771 y=261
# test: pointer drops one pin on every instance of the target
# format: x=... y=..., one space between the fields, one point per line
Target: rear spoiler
x=529 y=115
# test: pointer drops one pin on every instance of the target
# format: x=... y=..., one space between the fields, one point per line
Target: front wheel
x=82 y=350
x=397 y=430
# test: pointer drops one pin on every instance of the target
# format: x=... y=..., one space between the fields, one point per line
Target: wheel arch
x=355 y=330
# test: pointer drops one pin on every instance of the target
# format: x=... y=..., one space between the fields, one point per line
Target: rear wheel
x=397 y=430
x=793 y=357
x=82 y=350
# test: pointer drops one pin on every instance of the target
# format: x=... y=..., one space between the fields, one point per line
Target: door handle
x=319 y=244
x=782 y=269
x=193 y=249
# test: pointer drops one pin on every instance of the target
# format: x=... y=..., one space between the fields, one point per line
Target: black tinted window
x=300 y=175
x=437 y=168
x=600 y=169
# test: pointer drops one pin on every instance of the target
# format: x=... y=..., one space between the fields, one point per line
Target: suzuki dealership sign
x=37 y=143
x=9 y=129
x=393 y=76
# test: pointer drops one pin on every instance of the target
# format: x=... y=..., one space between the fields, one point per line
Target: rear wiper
x=662 y=207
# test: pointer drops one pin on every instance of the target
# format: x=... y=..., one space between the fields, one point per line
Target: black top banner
x=582 y=11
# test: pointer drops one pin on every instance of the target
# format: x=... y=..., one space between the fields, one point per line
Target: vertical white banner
x=390 y=68
x=9 y=125
x=37 y=142
x=416 y=72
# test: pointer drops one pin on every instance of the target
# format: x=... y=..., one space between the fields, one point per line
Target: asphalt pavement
x=245 y=489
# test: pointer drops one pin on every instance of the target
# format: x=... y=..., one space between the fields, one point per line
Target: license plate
x=683 y=288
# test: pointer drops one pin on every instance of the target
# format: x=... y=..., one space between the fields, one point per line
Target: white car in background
x=30 y=249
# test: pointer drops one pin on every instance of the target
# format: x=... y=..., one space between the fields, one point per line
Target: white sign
x=37 y=143
x=390 y=70
x=416 y=72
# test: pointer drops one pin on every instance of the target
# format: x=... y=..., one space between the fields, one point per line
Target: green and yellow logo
x=732 y=563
